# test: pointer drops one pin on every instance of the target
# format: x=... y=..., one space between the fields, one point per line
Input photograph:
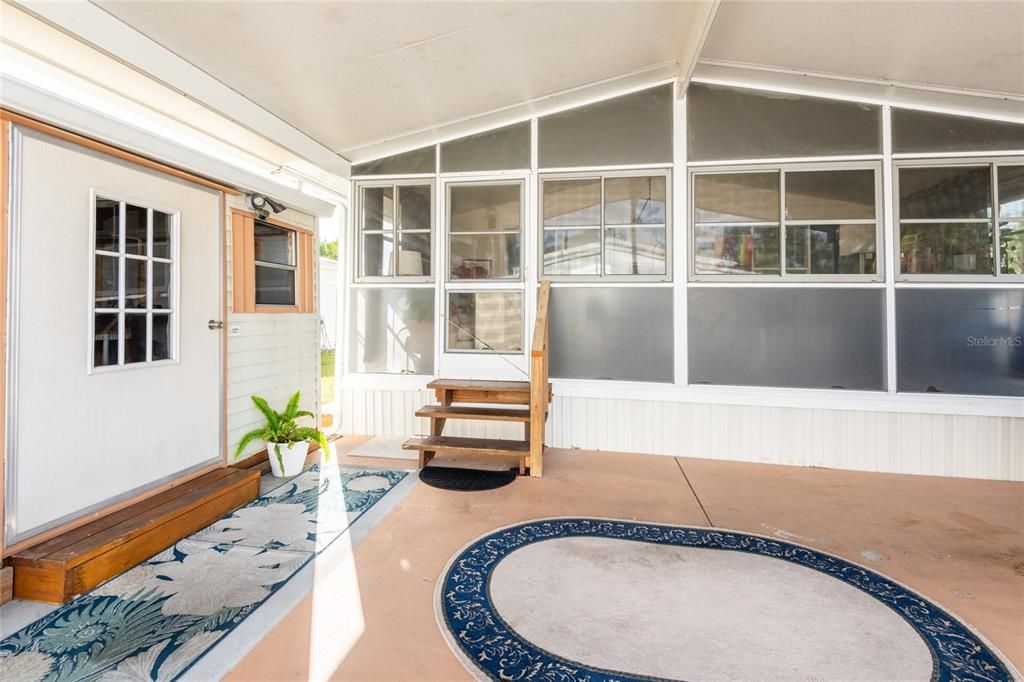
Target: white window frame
x=293 y=268
x=357 y=250
x=172 y=312
x=993 y=163
x=514 y=285
x=603 y=176
x=782 y=275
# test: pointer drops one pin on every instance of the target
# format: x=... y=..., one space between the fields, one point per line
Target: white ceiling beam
x=997 y=107
x=696 y=34
x=105 y=32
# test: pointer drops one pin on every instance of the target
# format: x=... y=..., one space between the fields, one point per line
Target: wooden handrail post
x=539 y=381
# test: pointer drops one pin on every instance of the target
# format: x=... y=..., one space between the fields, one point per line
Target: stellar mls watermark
x=994 y=341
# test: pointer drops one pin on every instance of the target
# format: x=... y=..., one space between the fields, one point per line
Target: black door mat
x=466 y=480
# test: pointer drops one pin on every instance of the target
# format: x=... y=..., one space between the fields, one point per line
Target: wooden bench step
x=69 y=564
x=482 y=391
x=500 y=414
x=480 y=385
x=468 y=446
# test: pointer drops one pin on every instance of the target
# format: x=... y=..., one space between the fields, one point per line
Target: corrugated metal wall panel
x=930 y=444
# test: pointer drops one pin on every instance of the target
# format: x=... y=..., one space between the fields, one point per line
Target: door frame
x=9 y=122
x=484 y=364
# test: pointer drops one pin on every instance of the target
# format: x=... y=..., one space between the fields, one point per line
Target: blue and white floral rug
x=157 y=619
x=600 y=600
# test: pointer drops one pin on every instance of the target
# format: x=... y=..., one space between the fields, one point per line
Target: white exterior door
x=483 y=334
x=115 y=381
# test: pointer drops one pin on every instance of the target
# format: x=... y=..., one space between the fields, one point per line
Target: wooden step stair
x=470 y=412
x=429 y=445
x=479 y=391
x=62 y=567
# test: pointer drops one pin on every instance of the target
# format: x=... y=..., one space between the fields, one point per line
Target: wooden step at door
x=499 y=414
x=80 y=559
x=428 y=445
x=479 y=391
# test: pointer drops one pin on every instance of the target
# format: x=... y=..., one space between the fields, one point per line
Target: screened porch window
x=948 y=216
x=395 y=227
x=605 y=226
x=787 y=222
x=133 y=274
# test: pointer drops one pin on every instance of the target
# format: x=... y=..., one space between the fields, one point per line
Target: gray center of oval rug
x=695 y=614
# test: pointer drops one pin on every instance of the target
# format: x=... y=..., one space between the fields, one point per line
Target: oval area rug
x=601 y=600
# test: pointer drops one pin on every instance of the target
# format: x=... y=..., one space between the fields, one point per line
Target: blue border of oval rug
x=501 y=653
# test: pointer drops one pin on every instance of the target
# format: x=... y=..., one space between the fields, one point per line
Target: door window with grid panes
x=133 y=284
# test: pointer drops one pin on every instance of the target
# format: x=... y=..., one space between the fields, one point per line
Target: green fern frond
x=246 y=439
x=304 y=413
x=292 y=410
x=272 y=417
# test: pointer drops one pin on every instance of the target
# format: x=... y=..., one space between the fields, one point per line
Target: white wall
x=328 y=292
x=895 y=442
x=275 y=354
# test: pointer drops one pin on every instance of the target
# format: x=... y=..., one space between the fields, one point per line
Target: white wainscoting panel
x=907 y=443
x=274 y=356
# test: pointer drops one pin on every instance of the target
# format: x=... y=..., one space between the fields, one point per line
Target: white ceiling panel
x=963 y=45
x=355 y=74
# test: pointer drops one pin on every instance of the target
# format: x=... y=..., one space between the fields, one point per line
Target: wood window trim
x=243 y=266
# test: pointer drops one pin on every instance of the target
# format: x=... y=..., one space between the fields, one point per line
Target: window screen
x=732 y=123
x=794 y=338
x=960 y=341
x=925 y=131
x=501 y=149
x=417 y=161
x=394 y=331
x=276 y=264
x=623 y=334
x=634 y=128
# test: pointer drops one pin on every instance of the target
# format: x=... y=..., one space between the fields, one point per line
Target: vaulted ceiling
x=976 y=46
x=351 y=74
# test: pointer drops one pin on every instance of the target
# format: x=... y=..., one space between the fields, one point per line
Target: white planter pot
x=292 y=457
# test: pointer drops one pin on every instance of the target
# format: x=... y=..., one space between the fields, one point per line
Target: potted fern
x=287 y=442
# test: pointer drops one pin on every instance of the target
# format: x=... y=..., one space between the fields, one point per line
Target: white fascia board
x=993 y=106
x=109 y=34
x=517 y=113
x=24 y=98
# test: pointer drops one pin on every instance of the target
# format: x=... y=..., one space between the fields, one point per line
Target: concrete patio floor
x=958 y=542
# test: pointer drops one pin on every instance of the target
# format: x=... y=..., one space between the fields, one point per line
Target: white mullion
x=782 y=227
x=122 y=267
x=890 y=230
x=996 y=247
x=604 y=229
x=149 y=285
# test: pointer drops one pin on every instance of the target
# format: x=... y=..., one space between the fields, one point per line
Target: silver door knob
x=215 y=324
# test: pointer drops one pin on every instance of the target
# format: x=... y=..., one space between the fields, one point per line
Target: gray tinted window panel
x=634 y=128
x=395 y=331
x=792 y=338
x=924 y=131
x=960 y=341
x=733 y=123
x=612 y=333
x=502 y=149
x=945 y=192
x=830 y=195
x=417 y=161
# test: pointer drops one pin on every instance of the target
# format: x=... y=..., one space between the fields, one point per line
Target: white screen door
x=115 y=388
x=484 y=302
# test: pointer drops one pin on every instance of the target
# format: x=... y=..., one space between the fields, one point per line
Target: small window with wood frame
x=271 y=266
